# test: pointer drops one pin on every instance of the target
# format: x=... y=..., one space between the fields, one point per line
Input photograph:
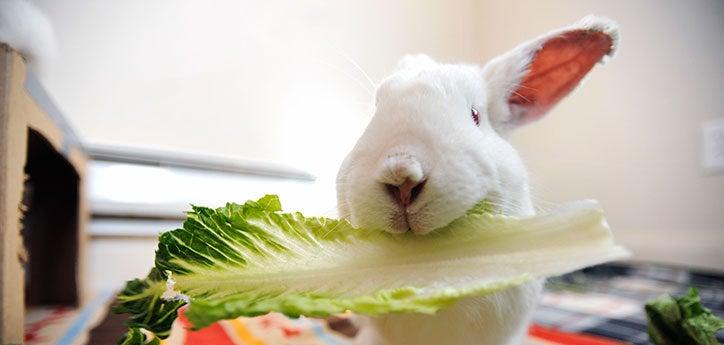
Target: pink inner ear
x=557 y=67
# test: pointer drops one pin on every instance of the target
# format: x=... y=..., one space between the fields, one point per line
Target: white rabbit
x=436 y=145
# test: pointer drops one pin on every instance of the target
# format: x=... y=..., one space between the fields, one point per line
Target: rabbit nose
x=405 y=193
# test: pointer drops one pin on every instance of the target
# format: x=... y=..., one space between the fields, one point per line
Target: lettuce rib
x=251 y=259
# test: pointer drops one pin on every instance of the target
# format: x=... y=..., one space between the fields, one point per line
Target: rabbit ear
x=525 y=83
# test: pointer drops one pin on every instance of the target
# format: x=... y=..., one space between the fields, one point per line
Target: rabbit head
x=437 y=143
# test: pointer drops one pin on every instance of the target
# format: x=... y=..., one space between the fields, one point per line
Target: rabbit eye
x=476 y=116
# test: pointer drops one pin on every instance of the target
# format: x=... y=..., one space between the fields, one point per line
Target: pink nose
x=406 y=193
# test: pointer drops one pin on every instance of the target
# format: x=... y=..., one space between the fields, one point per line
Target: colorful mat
x=275 y=329
x=608 y=300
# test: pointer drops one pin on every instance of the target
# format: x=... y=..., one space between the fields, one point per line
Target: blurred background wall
x=631 y=136
x=272 y=80
x=277 y=81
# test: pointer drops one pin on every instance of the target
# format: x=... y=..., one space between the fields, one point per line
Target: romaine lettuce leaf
x=251 y=259
x=682 y=321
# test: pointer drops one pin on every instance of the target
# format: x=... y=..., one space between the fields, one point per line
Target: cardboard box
x=42 y=208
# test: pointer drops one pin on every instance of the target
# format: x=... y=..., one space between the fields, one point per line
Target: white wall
x=630 y=136
x=266 y=80
x=270 y=80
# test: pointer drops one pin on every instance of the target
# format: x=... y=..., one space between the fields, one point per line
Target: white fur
x=24 y=28
x=422 y=129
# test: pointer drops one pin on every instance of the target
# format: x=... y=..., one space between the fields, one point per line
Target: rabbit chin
x=421 y=219
x=403 y=220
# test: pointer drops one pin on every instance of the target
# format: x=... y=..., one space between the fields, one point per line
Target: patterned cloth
x=60 y=325
x=608 y=300
x=270 y=329
x=275 y=329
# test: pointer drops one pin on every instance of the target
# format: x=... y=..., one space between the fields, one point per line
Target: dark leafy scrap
x=142 y=300
x=134 y=336
x=682 y=321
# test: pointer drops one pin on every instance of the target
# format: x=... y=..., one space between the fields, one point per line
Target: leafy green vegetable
x=142 y=298
x=682 y=321
x=134 y=336
x=250 y=259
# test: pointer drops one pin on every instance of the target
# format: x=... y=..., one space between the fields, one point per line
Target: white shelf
x=140 y=200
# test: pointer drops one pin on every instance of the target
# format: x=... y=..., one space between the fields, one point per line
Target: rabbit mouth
x=399 y=223
x=406 y=220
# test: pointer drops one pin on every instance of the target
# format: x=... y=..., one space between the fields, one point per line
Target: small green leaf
x=134 y=336
x=142 y=299
x=682 y=320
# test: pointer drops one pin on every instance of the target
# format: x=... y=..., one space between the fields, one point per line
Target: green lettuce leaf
x=250 y=259
x=144 y=300
x=135 y=336
x=682 y=321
